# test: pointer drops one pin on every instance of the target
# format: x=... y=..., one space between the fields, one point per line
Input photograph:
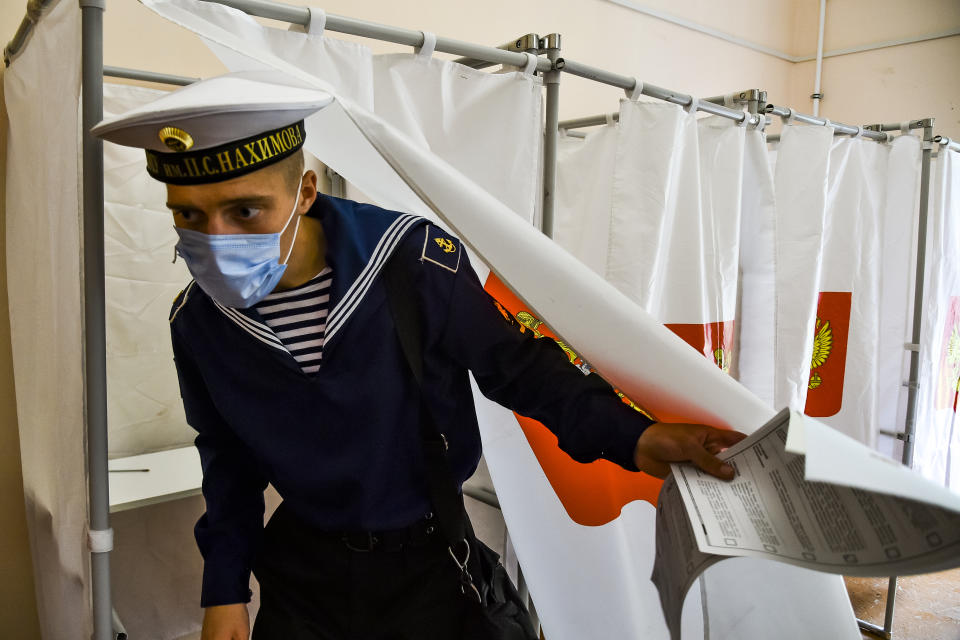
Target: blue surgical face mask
x=237 y=269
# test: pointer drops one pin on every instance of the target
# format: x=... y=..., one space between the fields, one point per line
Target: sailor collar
x=360 y=239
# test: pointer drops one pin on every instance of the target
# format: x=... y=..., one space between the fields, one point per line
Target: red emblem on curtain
x=948 y=384
x=714 y=340
x=592 y=494
x=829 y=359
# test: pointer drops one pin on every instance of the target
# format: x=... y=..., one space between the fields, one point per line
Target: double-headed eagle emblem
x=822 y=346
x=722 y=359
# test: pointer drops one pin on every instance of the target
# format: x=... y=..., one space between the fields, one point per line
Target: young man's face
x=258 y=202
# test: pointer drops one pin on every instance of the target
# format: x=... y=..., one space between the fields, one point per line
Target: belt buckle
x=371 y=542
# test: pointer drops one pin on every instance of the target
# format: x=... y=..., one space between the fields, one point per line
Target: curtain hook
x=531 y=65
x=425 y=50
x=693 y=106
x=318 y=21
x=637 y=90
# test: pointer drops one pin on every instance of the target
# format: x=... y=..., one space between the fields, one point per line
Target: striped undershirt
x=298 y=317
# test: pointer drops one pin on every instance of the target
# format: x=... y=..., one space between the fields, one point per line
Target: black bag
x=499 y=612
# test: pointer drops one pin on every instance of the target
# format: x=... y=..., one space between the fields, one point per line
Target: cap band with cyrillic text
x=215 y=164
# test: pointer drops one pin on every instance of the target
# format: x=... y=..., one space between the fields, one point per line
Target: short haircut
x=292 y=168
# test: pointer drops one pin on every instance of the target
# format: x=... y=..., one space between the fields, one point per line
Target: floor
x=927 y=607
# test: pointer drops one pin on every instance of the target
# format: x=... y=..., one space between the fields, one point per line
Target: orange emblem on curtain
x=713 y=340
x=948 y=385
x=592 y=494
x=829 y=359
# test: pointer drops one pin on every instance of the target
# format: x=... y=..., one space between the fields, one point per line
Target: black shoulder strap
x=447 y=500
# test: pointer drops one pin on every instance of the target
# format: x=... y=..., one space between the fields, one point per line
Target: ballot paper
x=807 y=495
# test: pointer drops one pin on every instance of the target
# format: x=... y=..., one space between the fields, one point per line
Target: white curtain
x=756 y=315
x=937 y=452
x=585 y=169
x=676 y=212
x=845 y=214
x=42 y=89
x=842 y=387
x=145 y=413
x=721 y=153
x=346 y=66
x=653 y=204
x=468 y=118
x=899 y=257
x=802 y=169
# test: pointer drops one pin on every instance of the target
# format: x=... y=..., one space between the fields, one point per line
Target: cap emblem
x=175 y=139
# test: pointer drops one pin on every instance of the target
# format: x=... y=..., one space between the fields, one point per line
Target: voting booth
x=674 y=242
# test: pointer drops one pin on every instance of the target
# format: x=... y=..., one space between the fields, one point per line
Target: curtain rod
x=301 y=15
x=35 y=9
x=790 y=114
x=147 y=76
x=594 y=121
x=628 y=84
x=947 y=143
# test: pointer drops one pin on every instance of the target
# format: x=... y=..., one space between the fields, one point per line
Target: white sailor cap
x=219 y=128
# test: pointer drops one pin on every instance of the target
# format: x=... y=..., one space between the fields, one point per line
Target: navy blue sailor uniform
x=341 y=446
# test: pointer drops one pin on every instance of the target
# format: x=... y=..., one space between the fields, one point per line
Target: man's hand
x=663 y=443
x=226 y=622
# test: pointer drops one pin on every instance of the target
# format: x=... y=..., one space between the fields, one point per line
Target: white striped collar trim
x=183 y=301
x=261 y=332
x=351 y=300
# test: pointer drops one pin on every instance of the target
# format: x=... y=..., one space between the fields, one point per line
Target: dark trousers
x=314 y=587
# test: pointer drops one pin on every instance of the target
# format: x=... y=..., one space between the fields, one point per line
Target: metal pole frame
x=147 y=76
x=947 y=143
x=789 y=114
x=551 y=133
x=18 y=42
x=913 y=385
x=301 y=15
x=628 y=83
x=94 y=324
x=754 y=99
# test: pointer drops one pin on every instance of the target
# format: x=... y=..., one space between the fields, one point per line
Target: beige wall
x=892 y=84
x=885 y=85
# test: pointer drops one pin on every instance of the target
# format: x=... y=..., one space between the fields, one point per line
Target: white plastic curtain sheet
x=845 y=210
x=678 y=213
x=469 y=118
x=144 y=410
x=44 y=289
x=937 y=452
x=145 y=413
x=587 y=580
x=653 y=205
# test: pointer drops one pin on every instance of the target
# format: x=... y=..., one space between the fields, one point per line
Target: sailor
x=292 y=373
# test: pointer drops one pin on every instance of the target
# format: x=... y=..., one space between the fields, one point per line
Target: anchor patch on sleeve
x=441 y=249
